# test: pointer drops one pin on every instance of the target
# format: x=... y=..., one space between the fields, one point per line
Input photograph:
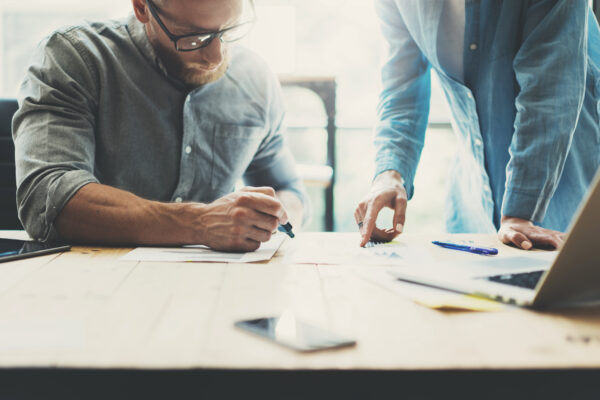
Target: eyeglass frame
x=212 y=35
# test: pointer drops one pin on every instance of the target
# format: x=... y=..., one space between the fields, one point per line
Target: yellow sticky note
x=459 y=302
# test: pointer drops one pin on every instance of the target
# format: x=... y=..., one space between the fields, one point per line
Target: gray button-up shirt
x=97 y=106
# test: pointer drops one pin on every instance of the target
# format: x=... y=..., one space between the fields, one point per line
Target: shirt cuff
x=527 y=206
x=281 y=175
x=60 y=191
x=298 y=189
x=392 y=161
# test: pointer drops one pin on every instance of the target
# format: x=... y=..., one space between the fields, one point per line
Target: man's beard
x=191 y=74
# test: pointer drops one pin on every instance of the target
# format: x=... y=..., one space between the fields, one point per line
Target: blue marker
x=287 y=229
x=486 y=251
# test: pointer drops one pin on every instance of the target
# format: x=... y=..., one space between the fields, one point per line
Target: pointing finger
x=370 y=220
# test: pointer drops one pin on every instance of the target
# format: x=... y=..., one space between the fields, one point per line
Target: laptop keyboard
x=373 y=243
x=526 y=279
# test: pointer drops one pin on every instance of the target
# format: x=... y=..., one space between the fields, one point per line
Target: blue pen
x=287 y=229
x=487 y=251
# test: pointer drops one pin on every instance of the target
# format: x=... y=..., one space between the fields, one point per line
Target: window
x=338 y=38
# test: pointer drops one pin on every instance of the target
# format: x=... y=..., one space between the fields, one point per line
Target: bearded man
x=136 y=131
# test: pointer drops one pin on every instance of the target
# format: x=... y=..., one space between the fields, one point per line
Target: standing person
x=523 y=82
x=136 y=131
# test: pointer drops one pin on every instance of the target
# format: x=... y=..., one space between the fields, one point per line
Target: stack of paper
x=204 y=254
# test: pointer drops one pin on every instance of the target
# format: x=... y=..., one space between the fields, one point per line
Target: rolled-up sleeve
x=273 y=164
x=550 y=69
x=53 y=131
x=404 y=102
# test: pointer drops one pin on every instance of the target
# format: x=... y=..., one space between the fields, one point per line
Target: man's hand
x=387 y=191
x=241 y=220
x=524 y=234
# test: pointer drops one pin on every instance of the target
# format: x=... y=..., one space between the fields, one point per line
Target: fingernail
x=526 y=245
x=399 y=227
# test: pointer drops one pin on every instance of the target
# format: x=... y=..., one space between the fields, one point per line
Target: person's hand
x=240 y=221
x=525 y=235
x=387 y=191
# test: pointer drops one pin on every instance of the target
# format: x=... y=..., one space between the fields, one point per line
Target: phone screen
x=288 y=331
x=16 y=249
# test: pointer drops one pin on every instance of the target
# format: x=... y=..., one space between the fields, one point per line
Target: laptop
x=571 y=278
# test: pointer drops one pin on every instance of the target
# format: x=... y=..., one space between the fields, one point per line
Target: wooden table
x=75 y=320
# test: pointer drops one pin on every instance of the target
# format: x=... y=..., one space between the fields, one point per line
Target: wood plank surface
x=86 y=308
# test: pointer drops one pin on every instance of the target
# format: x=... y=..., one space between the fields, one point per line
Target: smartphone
x=288 y=331
x=16 y=249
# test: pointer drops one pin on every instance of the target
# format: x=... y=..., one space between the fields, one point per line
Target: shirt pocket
x=234 y=148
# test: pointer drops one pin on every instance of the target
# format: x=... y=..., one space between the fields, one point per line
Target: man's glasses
x=197 y=41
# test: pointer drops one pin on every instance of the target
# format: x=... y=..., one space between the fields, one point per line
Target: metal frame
x=210 y=36
x=325 y=88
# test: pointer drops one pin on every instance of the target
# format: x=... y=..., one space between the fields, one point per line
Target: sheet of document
x=463 y=265
x=348 y=252
x=204 y=254
x=468 y=265
x=438 y=299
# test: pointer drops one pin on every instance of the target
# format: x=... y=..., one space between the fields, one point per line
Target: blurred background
x=327 y=53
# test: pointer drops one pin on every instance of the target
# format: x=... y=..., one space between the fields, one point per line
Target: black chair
x=8 y=186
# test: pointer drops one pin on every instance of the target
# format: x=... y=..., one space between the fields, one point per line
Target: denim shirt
x=97 y=106
x=526 y=116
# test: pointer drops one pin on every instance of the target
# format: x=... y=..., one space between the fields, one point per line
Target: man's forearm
x=103 y=214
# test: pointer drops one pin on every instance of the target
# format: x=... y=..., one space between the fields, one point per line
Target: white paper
x=350 y=253
x=426 y=295
x=200 y=253
x=467 y=265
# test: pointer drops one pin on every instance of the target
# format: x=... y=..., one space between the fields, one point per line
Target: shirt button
x=188 y=150
x=473 y=46
x=477 y=142
x=469 y=95
x=178 y=200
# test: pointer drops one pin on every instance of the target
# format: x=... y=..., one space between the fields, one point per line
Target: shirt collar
x=137 y=31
